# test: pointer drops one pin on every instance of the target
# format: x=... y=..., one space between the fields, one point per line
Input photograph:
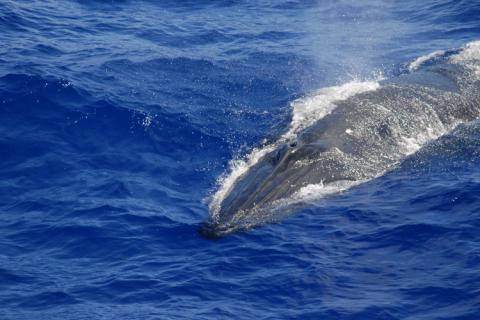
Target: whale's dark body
x=363 y=137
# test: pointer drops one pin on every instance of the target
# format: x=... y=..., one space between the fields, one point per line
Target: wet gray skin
x=359 y=140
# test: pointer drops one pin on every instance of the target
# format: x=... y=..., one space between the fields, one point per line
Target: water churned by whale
x=345 y=135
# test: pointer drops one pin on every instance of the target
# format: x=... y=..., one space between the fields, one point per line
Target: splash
x=413 y=66
x=469 y=57
x=308 y=110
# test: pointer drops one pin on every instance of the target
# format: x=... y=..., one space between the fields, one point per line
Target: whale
x=361 y=138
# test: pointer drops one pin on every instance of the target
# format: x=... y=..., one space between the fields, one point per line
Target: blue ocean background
x=117 y=119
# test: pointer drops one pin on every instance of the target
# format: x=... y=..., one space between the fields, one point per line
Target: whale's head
x=275 y=177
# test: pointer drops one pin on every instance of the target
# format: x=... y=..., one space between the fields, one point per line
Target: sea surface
x=119 y=121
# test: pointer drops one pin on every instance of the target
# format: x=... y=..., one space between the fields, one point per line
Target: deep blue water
x=118 y=117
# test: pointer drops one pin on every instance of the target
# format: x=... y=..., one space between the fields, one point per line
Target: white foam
x=313 y=192
x=470 y=54
x=306 y=111
x=421 y=60
x=469 y=57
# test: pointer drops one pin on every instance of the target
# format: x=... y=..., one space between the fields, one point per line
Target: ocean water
x=121 y=121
